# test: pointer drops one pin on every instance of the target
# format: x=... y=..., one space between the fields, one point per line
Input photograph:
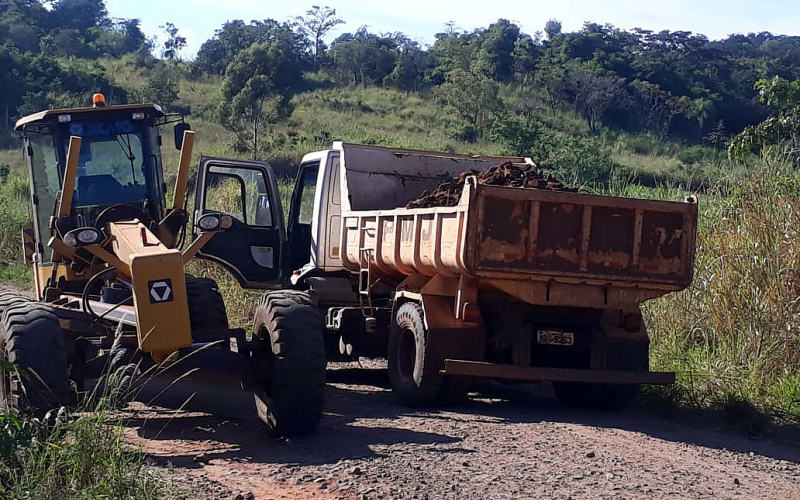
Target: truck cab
x=268 y=247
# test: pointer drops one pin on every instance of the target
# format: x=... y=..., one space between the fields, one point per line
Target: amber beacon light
x=98 y=100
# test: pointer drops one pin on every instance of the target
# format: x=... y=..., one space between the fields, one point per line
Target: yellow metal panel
x=43 y=272
x=70 y=172
x=28 y=243
x=179 y=197
x=132 y=238
x=159 y=297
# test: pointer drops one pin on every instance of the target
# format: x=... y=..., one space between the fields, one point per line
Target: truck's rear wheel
x=32 y=340
x=413 y=374
x=291 y=368
x=596 y=396
x=206 y=308
x=620 y=355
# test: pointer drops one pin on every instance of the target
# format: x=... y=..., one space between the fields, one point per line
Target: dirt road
x=507 y=443
x=510 y=443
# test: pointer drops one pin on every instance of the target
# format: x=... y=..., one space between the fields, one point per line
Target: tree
x=410 y=67
x=217 y=53
x=473 y=96
x=364 y=58
x=161 y=88
x=496 y=53
x=593 y=94
x=552 y=28
x=317 y=23
x=174 y=43
x=80 y=15
x=256 y=94
x=781 y=128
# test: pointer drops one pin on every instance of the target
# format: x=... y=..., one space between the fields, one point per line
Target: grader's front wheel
x=34 y=376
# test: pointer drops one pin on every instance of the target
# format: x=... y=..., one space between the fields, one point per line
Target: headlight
x=82 y=236
x=210 y=222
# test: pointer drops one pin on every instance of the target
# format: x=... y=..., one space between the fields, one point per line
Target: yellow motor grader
x=108 y=254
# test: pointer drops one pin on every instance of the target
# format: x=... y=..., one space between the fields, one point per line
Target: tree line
x=671 y=84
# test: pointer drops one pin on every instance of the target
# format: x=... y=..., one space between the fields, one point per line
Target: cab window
x=308 y=189
x=111 y=165
x=240 y=192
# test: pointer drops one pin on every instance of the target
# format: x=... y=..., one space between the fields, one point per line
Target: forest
x=497 y=80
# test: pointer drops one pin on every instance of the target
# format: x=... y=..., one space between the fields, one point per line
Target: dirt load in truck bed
x=448 y=193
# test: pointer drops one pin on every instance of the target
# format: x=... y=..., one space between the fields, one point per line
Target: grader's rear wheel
x=206 y=308
x=32 y=341
x=291 y=367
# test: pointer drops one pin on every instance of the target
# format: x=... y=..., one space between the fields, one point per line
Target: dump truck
x=509 y=283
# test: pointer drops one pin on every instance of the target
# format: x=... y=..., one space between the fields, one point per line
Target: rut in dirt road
x=510 y=443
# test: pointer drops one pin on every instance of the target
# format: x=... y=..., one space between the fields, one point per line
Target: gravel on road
x=508 y=442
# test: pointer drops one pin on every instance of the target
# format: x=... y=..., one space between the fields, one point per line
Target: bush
x=467 y=133
x=519 y=134
x=575 y=160
x=697 y=154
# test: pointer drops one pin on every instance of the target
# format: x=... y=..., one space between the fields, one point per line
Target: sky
x=422 y=19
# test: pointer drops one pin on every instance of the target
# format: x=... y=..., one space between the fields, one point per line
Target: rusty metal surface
x=531 y=374
x=576 y=235
x=544 y=247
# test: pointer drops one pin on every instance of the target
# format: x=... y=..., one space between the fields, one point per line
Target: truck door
x=251 y=249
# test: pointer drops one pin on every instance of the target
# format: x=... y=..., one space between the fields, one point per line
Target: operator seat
x=102 y=189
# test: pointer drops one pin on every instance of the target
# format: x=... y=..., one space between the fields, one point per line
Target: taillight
x=632 y=322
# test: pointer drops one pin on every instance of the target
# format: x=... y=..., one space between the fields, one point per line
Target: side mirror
x=263 y=212
x=180 y=128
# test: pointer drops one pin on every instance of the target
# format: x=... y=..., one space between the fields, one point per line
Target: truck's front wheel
x=413 y=373
x=291 y=366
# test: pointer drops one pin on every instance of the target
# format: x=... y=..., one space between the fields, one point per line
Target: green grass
x=733 y=336
x=14 y=213
x=79 y=453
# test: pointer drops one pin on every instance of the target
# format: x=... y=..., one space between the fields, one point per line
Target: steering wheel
x=120 y=212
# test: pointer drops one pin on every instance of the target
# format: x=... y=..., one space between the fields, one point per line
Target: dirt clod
x=448 y=193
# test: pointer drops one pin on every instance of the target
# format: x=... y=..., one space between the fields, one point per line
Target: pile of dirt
x=448 y=193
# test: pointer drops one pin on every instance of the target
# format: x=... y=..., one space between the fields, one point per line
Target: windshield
x=112 y=163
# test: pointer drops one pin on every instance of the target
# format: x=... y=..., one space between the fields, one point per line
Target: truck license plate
x=554 y=337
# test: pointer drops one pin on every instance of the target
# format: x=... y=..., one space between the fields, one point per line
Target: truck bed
x=535 y=244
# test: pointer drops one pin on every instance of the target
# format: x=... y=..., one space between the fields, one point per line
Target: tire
x=610 y=397
x=206 y=308
x=32 y=340
x=413 y=375
x=291 y=369
x=607 y=397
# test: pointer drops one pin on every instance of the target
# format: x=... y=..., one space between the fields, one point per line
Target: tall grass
x=734 y=334
x=14 y=213
x=79 y=453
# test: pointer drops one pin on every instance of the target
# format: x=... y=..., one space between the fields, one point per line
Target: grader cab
x=108 y=253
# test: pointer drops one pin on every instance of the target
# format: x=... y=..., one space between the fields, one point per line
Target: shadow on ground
x=361 y=416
